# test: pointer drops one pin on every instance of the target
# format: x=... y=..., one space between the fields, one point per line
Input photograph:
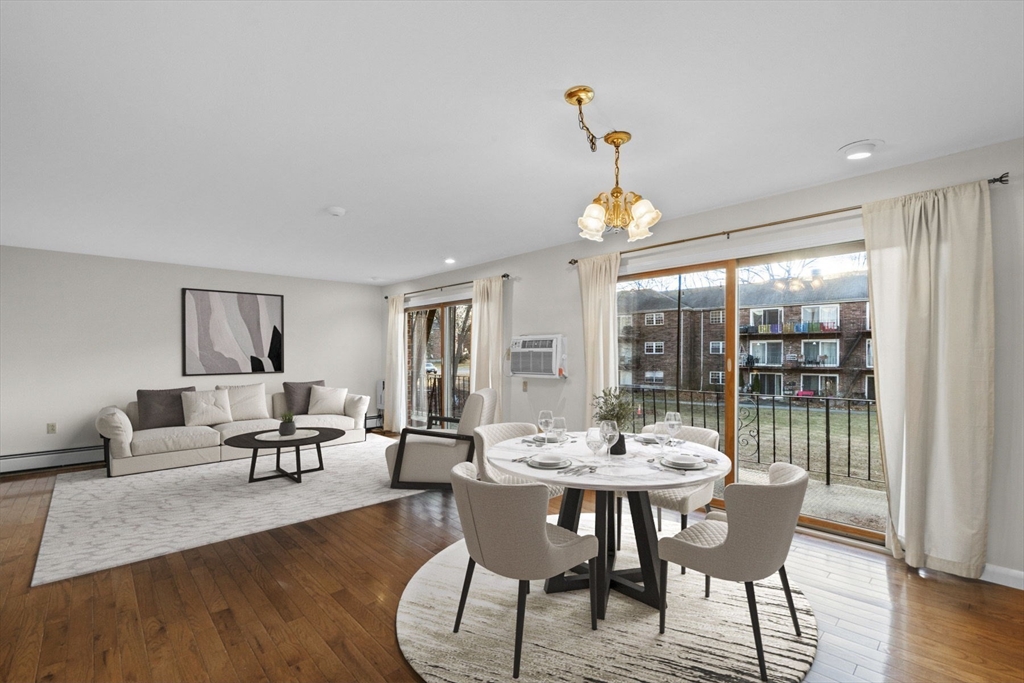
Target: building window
x=654 y=377
x=717 y=317
x=716 y=377
x=821 y=385
x=869 y=387
x=769 y=383
x=869 y=356
x=717 y=348
x=766 y=352
x=654 y=319
x=867 y=315
x=624 y=322
x=820 y=352
x=820 y=314
x=654 y=347
x=766 y=316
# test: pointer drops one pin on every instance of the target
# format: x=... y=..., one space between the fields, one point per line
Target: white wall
x=81 y=332
x=545 y=298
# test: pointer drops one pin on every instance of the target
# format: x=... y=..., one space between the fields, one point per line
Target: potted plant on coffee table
x=287 y=426
x=617 y=405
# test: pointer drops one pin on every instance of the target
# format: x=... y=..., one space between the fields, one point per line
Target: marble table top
x=638 y=470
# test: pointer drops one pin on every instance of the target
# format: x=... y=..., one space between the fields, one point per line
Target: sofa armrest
x=355 y=407
x=112 y=423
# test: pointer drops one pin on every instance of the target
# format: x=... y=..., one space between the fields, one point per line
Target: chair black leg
x=683 y=521
x=618 y=527
x=593 y=593
x=707 y=585
x=465 y=592
x=659 y=519
x=520 y=618
x=789 y=599
x=757 y=629
x=664 y=595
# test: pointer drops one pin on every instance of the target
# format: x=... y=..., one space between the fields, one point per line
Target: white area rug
x=96 y=523
x=704 y=639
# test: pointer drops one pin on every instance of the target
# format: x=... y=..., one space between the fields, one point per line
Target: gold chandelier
x=616 y=210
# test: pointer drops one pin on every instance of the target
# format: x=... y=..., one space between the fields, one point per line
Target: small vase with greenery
x=617 y=405
x=287 y=426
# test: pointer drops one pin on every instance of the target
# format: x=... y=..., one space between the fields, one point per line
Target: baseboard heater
x=65 y=457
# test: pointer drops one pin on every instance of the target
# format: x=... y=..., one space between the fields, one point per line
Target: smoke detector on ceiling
x=861 y=149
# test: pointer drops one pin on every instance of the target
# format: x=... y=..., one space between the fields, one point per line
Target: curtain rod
x=504 y=276
x=1004 y=179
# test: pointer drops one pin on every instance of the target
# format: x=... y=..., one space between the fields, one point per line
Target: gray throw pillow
x=161 y=407
x=296 y=396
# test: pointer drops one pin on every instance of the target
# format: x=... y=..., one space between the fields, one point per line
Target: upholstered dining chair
x=507 y=532
x=684 y=499
x=488 y=435
x=423 y=458
x=749 y=544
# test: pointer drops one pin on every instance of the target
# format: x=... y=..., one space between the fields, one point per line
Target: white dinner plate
x=698 y=466
x=683 y=459
x=646 y=438
x=539 y=438
x=540 y=465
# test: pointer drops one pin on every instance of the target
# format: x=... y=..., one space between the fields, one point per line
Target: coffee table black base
x=640 y=583
x=295 y=476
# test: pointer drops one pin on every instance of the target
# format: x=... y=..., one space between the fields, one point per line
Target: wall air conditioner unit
x=540 y=355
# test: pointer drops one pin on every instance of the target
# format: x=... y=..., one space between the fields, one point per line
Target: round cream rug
x=704 y=640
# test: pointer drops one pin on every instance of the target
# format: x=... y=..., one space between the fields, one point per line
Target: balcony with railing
x=835 y=439
x=791 y=328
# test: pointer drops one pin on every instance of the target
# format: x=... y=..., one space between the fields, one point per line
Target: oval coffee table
x=251 y=440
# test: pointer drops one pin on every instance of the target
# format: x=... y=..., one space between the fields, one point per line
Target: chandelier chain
x=616 y=165
x=583 y=126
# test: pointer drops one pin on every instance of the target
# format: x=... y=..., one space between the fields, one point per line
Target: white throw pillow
x=327 y=401
x=205 y=408
x=248 y=402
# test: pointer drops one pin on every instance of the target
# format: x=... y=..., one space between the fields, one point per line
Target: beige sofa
x=129 y=450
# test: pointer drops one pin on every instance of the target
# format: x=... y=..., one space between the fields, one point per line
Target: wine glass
x=675 y=424
x=610 y=432
x=544 y=421
x=558 y=429
x=595 y=440
x=661 y=435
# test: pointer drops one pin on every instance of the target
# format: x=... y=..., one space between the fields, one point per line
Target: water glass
x=558 y=429
x=661 y=434
x=610 y=432
x=545 y=421
x=595 y=440
x=675 y=424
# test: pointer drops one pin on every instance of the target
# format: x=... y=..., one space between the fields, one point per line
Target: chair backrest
x=488 y=435
x=479 y=410
x=762 y=520
x=505 y=525
x=706 y=437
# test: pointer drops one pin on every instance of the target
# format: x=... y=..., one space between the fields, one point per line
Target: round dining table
x=638 y=471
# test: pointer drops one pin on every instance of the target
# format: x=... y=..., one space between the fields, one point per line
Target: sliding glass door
x=438 y=352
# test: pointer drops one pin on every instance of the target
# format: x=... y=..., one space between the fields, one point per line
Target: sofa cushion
x=230 y=429
x=169 y=439
x=248 y=402
x=326 y=400
x=296 y=395
x=336 y=421
x=205 y=408
x=161 y=407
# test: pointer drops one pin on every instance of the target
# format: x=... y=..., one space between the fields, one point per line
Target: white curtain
x=394 y=366
x=930 y=260
x=488 y=345
x=598 y=276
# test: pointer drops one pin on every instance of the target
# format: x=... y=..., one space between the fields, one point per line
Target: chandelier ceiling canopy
x=614 y=210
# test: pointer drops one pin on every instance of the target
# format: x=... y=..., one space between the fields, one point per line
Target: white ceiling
x=217 y=134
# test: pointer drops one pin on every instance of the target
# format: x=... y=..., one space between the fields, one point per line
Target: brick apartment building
x=796 y=337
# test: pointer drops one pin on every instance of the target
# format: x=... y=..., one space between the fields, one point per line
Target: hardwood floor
x=316 y=601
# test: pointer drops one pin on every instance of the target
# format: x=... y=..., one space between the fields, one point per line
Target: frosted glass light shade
x=591 y=223
x=637 y=231
x=645 y=215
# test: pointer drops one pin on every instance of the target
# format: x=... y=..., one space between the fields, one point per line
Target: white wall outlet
x=51 y=427
x=524 y=385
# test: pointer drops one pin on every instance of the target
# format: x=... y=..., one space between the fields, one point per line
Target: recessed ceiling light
x=861 y=149
x=449 y=261
x=338 y=211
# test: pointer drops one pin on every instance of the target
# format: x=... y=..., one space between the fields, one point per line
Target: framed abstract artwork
x=231 y=333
